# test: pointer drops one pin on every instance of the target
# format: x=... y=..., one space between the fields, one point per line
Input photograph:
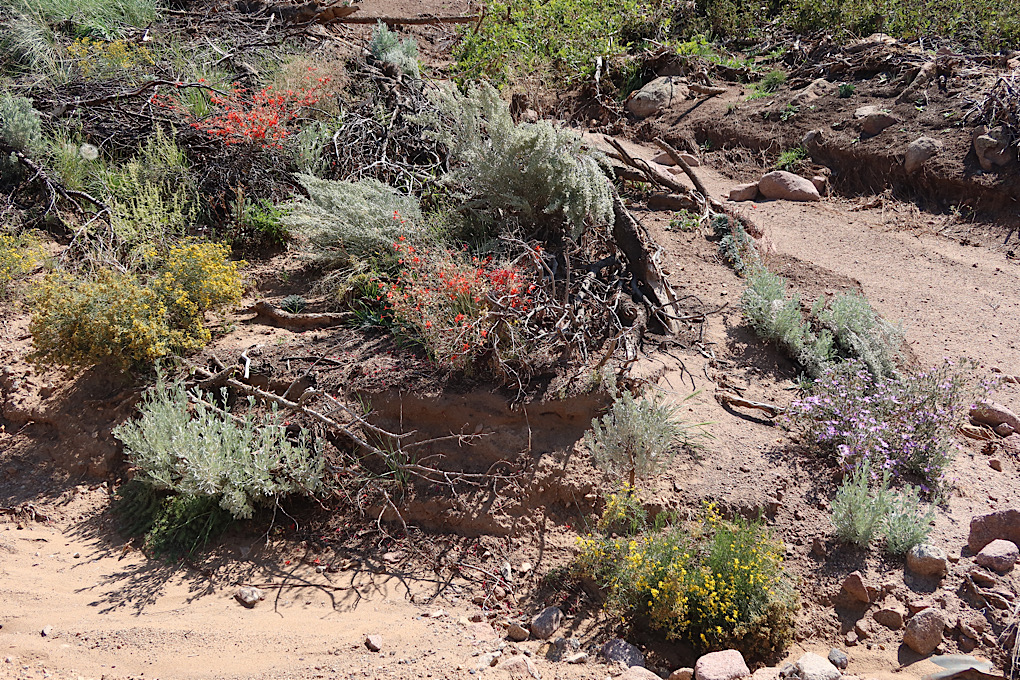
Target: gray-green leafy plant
x=908 y=522
x=636 y=437
x=859 y=332
x=20 y=130
x=386 y=46
x=346 y=222
x=239 y=464
x=532 y=170
x=858 y=510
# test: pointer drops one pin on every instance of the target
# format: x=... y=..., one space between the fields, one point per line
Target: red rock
x=725 y=665
x=999 y=555
x=787 y=186
x=854 y=584
x=984 y=529
x=924 y=631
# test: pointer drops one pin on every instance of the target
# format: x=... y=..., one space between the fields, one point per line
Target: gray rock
x=787 y=186
x=992 y=413
x=657 y=95
x=249 y=597
x=999 y=555
x=992 y=148
x=813 y=667
x=47 y=631
x=488 y=660
x=517 y=632
x=919 y=151
x=562 y=648
x=984 y=529
x=877 y=121
x=744 y=192
x=924 y=631
x=925 y=559
x=838 y=658
x=373 y=642
x=546 y=622
x=728 y=664
x=815 y=90
x=622 y=652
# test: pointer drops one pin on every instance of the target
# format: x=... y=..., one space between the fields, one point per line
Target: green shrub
x=791 y=158
x=636 y=437
x=534 y=171
x=387 y=47
x=715 y=584
x=859 y=332
x=172 y=525
x=858 y=511
x=21 y=130
x=906 y=525
x=18 y=254
x=240 y=466
x=122 y=319
x=846 y=90
x=258 y=223
x=777 y=318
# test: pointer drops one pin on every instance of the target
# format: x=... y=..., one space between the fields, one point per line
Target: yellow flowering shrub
x=17 y=257
x=125 y=319
x=717 y=584
x=96 y=57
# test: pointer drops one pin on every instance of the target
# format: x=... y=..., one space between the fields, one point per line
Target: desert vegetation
x=264 y=237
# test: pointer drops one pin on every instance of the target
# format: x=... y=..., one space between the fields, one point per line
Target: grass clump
x=846 y=90
x=637 y=437
x=124 y=319
x=196 y=470
x=865 y=507
x=790 y=159
x=533 y=171
x=715 y=584
x=387 y=47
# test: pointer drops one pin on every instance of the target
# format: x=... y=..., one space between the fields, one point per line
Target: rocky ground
x=346 y=599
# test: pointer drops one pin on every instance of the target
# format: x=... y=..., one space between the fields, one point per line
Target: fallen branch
x=683 y=165
x=291 y=321
x=733 y=400
x=411 y=21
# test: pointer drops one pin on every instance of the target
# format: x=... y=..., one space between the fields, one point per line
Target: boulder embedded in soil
x=681 y=674
x=728 y=664
x=766 y=673
x=924 y=631
x=517 y=633
x=787 y=186
x=992 y=148
x=814 y=667
x=925 y=559
x=999 y=555
x=854 y=584
x=874 y=120
x=993 y=414
x=838 y=658
x=984 y=529
x=519 y=668
x=622 y=652
x=891 y=617
x=657 y=95
x=744 y=192
x=919 y=151
x=546 y=622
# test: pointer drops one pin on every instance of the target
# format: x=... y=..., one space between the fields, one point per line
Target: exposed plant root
x=303 y=321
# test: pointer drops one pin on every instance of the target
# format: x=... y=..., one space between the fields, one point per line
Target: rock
x=815 y=90
x=744 y=192
x=854 y=584
x=517 y=632
x=524 y=568
x=919 y=151
x=863 y=112
x=984 y=529
x=891 y=617
x=810 y=666
x=851 y=639
x=874 y=120
x=577 y=657
x=991 y=413
x=562 y=648
x=488 y=660
x=681 y=674
x=927 y=560
x=820 y=183
x=667 y=160
x=999 y=555
x=1004 y=429
x=47 y=631
x=373 y=642
x=638 y=673
x=810 y=138
x=992 y=148
x=482 y=631
x=622 y=652
x=917 y=604
x=839 y=659
x=249 y=597
x=924 y=631
x=657 y=95
x=864 y=629
x=766 y=673
x=787 y=186
x=982 y=578
x=725 y=665
x=546 y=622
x=519 y=668
x=995 y=464
x=690 y=160
x=973 y=627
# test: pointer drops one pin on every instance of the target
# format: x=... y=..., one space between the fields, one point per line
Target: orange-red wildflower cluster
x=263 y=117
